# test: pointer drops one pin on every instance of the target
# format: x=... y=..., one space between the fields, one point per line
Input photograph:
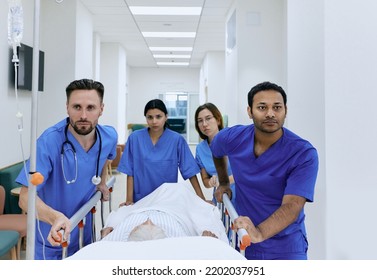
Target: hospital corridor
x=186 y=54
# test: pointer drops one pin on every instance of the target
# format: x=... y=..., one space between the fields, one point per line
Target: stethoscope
x=95 y=179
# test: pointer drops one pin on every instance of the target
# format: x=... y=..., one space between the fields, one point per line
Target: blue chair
x=8 y=243
x=12 y=222
x=137 y=126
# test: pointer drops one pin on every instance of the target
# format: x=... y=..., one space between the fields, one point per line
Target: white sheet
x=181 y=202
x=180 y=248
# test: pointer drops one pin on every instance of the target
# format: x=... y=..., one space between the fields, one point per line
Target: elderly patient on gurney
x=172 y=210
x=170 y=222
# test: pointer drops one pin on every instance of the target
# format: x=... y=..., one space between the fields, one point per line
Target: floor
x=118 y=195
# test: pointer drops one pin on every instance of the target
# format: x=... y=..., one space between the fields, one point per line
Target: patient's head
x=146 y=231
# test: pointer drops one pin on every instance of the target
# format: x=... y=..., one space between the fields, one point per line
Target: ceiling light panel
x=171 y=49
x=173 y=63
x=165 y=11
x=168 y=23
x=171 y=55
x=169 y=34
x=162 y=23
x=167 y=3
x=170 y=42
x=119 y=25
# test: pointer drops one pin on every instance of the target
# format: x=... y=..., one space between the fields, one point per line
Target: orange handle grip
x=36 y=178
x=246 y=240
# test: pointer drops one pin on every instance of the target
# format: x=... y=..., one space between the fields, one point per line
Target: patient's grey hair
x=146 y=232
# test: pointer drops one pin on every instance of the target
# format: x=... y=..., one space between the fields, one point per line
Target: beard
x=82 y=129
x=269 y=129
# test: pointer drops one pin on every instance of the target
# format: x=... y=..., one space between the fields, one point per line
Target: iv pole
x=31 y=216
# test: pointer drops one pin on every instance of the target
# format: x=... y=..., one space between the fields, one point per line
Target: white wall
x=306 y=103
x=212 y=78
x=66 y=37
x=10 y=148
x=331 y=55
x=231 y=77
x=96 y=57
x=84 y=43
x=147 y=83
x=350 y=74
x=113 y=76
x=258 y=54
x=60 y=59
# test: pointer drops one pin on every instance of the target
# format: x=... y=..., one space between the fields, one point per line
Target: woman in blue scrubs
x=153 y=156
x=208 y=122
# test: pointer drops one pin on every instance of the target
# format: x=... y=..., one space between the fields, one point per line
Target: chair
x=8 y=243
x=138 y=126
x=115 y=161
x=177 y=124
x=12 y=222
x=135 y=126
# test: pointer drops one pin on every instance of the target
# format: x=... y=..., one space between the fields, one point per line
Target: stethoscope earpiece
x=96 y=180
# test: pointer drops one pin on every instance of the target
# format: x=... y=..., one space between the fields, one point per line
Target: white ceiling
x=114 y=22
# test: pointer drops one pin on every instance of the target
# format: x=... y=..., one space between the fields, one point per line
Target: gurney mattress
x=182 y=248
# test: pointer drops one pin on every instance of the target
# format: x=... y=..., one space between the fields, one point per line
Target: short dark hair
x=215 y=112
x=262 y=87
x=85 y=84
x=156 y=104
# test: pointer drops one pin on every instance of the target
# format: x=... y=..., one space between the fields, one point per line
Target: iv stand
x=31 y=216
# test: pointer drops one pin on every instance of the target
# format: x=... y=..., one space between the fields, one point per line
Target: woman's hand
x=213 y=181
x=126 y=203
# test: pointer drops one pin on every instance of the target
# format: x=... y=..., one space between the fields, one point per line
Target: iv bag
x=15 y=23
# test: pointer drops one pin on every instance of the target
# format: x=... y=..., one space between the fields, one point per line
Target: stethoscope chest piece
x=95 y=179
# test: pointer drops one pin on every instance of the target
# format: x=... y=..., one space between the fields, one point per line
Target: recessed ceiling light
x=173 y=63
x=166 y=11
x=169 y=34
x=171 y=56
x=173 y=49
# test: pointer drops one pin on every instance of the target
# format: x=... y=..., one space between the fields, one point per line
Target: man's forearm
x=285 y=215
x=222 y=170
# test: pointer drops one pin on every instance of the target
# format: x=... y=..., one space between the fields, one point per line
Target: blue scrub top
x=152 y=165
x=204 y=158
x=289 y=166
x=55 y=192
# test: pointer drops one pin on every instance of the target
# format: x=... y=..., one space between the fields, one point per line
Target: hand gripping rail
x=78 y=218
x=243 y=237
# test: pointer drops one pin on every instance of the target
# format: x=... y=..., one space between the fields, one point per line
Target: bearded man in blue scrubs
x=72 y=156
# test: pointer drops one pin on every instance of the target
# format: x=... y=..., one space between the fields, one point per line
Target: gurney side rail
x=78 y=219
x=244 y=239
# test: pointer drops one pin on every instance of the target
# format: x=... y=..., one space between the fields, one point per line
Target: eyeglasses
x=206 y=119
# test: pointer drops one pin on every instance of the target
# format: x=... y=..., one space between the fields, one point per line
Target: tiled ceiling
x=114 y=22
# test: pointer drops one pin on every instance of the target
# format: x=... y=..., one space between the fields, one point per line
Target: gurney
x=177 y=248
x=78 y=219
x=190 y=247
